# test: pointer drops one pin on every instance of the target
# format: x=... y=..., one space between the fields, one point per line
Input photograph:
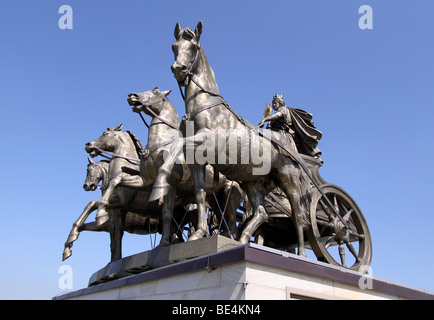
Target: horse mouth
x=91 y=187
x=92 y=151
x=133 y=100
x=180 y=73
x=181 y=77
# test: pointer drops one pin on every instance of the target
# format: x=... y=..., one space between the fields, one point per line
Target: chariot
x=324 y=232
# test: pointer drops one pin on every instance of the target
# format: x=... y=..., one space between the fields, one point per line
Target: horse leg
x=289 y=180
x=198 y=175
x=232 y=197
x=121 y=180
x=116 y=229
x=161 y=185
x=76 y=228
x=167 y=214
x=256 y=199
x=91 y=226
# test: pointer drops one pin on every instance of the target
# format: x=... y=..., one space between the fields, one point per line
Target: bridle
x=157 y=116
x=99 y=173
x=191 y=78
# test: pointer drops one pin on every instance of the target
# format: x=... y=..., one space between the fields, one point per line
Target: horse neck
x=158 y=131
x=124 y=148
x=104 y=174
x=103 y=167
x=204 y=76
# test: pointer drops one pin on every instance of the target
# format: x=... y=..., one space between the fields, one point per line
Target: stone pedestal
x=218 y=268
x=161 y=256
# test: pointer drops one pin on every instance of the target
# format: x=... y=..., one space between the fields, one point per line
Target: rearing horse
x=212 y=116
x=162 y=133
x=130 y=211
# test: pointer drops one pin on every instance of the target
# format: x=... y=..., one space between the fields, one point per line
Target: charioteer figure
x=295 y=124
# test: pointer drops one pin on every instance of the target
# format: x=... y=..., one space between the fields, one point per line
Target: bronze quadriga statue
x=216 y=160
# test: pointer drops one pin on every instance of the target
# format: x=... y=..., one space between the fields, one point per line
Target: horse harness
x=255 y=130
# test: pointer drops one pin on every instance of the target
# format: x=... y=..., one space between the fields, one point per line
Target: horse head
x=152 y=99
x=96 y=171
x=186 y=50
x=107 y=141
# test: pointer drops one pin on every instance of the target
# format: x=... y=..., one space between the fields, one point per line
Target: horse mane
x=137 y=143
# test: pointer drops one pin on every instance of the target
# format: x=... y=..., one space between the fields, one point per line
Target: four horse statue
x=213 y=159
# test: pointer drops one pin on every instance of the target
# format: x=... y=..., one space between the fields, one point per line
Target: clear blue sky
x=371 y=93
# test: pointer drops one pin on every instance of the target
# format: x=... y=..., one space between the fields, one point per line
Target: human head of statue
x=278 y=101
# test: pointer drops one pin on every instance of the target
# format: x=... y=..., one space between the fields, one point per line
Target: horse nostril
x=178 y=67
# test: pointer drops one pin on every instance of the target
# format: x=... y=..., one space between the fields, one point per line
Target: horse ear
x=119 y=127
x=198 y=30
x=166 y=93
x=177 y=32
x=90 y=160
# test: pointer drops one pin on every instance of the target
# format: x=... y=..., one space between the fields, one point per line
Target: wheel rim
x=331 y=241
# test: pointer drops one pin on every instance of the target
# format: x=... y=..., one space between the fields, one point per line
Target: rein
x=191 y=78
x=161 y=119
x=117 y=156
x=203 y=89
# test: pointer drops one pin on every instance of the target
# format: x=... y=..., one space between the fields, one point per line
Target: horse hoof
x=164 y=243
x=158 y=192
x=66 y=254
x=197 y=235
x=301 y=253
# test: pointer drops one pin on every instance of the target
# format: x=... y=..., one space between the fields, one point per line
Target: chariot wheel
x=330 y=239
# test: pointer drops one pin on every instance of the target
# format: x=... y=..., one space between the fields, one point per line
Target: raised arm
x=272 y=117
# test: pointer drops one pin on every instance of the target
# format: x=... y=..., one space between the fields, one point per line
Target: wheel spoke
x=335 y=202
x=329 y=241
x=355 y=234
x=342 y=254
x=325 y=224
x=347 y=216
x=326 y=208
x=353 y=251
